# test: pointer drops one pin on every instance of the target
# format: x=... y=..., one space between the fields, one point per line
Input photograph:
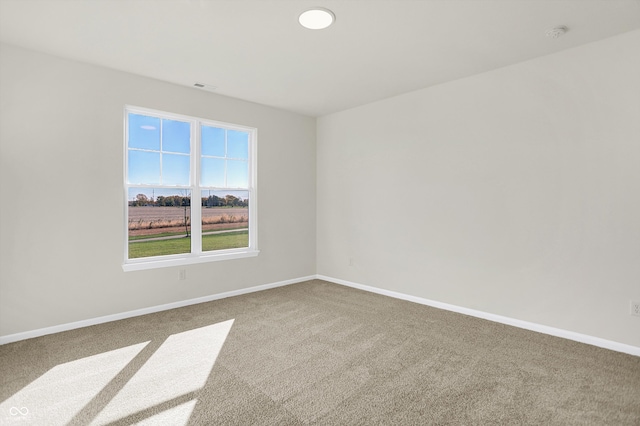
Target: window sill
x=155 y=263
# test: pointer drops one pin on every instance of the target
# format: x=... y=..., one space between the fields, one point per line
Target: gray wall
x=61 y=215
x=515 y=192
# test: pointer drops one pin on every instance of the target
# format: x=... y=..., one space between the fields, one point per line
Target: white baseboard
x=578 y=337
x=115 y=317
x=557 y=332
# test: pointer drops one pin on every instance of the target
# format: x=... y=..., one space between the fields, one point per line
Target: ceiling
x=256 y=50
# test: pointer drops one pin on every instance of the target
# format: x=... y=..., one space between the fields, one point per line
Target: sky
x=159 y=154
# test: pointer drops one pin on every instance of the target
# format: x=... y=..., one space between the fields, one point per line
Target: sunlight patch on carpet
x=179 y=367
x=60 y=393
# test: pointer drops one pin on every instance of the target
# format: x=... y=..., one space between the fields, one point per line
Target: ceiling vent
x=205 y=86
x=556 y=32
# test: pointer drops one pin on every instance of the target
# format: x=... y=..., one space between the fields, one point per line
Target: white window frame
x=196 y=255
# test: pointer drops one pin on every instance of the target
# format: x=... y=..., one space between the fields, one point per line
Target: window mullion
x=196 y=197
x=161 y=154
x=226 y=150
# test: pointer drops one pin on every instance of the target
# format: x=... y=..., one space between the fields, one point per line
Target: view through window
x=173 y=160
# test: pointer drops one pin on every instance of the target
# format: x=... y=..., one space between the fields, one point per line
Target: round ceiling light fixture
x=317 y=18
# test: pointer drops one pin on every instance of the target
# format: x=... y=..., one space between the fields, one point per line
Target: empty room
x=339 y=212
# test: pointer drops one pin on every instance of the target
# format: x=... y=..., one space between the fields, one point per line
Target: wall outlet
x=351 y=261
x=635 y=308
x=183 y=274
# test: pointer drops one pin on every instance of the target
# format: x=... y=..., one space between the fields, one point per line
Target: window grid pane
x=225 y=220
x=144 y=132
x=224 y=158
x=144 y=167
x=159 y=222
x=165 y=163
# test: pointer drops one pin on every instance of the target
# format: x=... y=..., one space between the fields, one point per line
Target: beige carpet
x=313 y=353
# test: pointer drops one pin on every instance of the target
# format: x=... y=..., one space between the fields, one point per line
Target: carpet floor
x=313 y=353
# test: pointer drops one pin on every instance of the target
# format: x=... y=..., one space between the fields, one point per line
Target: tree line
x=182 y=201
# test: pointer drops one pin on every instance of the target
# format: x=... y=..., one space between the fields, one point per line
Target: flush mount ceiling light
x=556 y=32
x=317 y=18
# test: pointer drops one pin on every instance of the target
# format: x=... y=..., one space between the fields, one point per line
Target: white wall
x=61 y=209
x=515 y=192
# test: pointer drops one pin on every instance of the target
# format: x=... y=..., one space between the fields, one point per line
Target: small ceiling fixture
x=317 y=18
x=556 y=32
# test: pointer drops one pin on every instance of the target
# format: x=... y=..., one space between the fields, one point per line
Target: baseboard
x=557 y=332
x=552 y=331
x=115 y=317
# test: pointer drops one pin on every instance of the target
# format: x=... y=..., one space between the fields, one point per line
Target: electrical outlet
x=635 y=308
x=351 y=261
x=183 y=274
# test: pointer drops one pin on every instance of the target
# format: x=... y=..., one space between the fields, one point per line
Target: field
x=155 y=213
x=155 y=220
x=155 y=231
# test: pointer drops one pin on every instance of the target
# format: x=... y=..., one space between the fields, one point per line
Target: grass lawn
x=227 y=240
x=162 y=234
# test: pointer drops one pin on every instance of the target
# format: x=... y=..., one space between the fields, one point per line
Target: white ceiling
x=256 y=50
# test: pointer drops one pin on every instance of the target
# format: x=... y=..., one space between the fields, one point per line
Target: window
x=190 y=190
